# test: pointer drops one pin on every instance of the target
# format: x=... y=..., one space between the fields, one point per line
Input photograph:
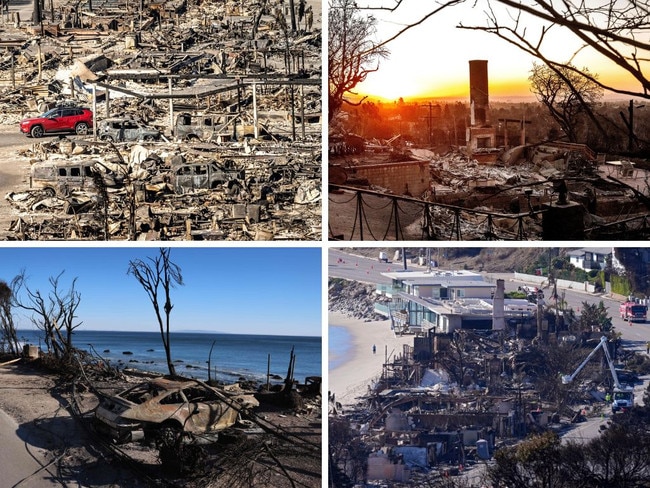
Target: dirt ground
x=41 y=404
x=14 y=173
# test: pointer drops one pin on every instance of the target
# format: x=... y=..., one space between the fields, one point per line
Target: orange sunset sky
x=431 y=60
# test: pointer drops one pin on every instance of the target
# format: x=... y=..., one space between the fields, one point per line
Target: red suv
x=60 y=119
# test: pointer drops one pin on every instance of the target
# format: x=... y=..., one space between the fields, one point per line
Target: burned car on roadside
x=125 y=129
x=187 y=406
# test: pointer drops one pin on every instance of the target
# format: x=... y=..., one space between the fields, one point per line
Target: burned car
x=125 y=129
x=189 y=406
x=194 y=176
x=60 y=176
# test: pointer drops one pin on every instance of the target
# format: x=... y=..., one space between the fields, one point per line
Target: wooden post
x=40 y=62
x=302 y=109
x=171 y=108
x=255 y=129
x=94 y=112
x=13 y=72
x=268 y=373
x=293 y=115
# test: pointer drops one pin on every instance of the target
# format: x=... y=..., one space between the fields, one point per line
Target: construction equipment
x=623 y=397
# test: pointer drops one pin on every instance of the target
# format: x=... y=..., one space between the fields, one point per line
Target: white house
x=446 y=301
x=590 y=258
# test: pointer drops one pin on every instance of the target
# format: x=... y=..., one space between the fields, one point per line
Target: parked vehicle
x=187 y=406
x=126 y=129
x=59 y=120
x=202 y=127
x=58 y=176
x=214 y=128
x=189 y=176
x=633 y=312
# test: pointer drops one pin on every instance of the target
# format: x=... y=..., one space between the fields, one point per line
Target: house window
x=460 y=293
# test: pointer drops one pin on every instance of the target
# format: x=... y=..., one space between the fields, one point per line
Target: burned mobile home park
x=206 y=120
x=483 y=357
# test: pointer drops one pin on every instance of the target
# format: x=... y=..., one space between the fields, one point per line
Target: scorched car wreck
x=189 y=406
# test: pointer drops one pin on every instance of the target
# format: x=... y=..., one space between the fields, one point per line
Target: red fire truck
x=634 y=312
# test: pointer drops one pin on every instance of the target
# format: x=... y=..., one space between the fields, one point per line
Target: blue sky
x=245 y=290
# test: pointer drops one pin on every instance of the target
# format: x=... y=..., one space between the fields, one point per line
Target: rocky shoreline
x=354 y=299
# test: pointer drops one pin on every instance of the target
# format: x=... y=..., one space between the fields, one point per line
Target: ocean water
x=339 y=346
x=233 y=355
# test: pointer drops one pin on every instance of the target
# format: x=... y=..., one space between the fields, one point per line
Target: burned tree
x=54 y=313
x=9 y=336
x=617 y=30
x=348 y=455
x=456 y=358
x=353 y=55
x=153 y=274
x=567 y=95
x=594 y=318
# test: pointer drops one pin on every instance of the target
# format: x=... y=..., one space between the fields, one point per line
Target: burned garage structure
x=197 y=111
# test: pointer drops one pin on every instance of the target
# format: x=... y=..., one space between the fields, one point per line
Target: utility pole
x=430 y=123
x=293 y=16
x=629 y=123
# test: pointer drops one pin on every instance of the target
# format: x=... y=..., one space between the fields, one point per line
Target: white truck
x=623 y=397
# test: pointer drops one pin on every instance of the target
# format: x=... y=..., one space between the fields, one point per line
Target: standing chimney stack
x=478 y=92
x=498 y=307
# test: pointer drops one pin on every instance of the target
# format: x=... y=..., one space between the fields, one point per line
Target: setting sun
x=431 y=60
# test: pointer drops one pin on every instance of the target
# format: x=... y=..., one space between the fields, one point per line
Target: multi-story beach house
x=442 y=301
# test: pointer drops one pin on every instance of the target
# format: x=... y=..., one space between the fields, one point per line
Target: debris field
x=233 y=89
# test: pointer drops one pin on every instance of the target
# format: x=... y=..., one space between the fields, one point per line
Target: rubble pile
x=530 y=193
x=234 y=88
x=447 y=404
x=155 y=192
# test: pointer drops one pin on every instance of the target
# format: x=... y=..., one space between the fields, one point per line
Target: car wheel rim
x=37 y=132
x=82 y=129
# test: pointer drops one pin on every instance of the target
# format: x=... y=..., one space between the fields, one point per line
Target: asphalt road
x=20 y=463
x=344 y=264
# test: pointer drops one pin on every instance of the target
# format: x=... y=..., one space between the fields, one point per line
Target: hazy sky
x=432 y=58
x=247 y=290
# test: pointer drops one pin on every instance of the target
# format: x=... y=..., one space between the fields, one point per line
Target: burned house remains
x=206 y=120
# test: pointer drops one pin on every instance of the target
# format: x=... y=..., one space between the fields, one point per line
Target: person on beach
x=374 y=349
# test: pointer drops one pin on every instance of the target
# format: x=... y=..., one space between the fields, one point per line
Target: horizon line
x=190 y=331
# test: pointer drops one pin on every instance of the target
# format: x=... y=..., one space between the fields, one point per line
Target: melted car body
x=190 y=405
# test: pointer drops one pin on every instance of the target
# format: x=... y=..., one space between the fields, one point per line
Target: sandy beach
x=361 y=367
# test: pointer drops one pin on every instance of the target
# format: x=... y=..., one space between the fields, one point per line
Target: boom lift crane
x=623 y=397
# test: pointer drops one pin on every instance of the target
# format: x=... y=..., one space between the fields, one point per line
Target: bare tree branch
x=151 y=275
x=610 y=29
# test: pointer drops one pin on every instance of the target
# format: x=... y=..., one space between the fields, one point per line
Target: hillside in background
x=491 y=260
